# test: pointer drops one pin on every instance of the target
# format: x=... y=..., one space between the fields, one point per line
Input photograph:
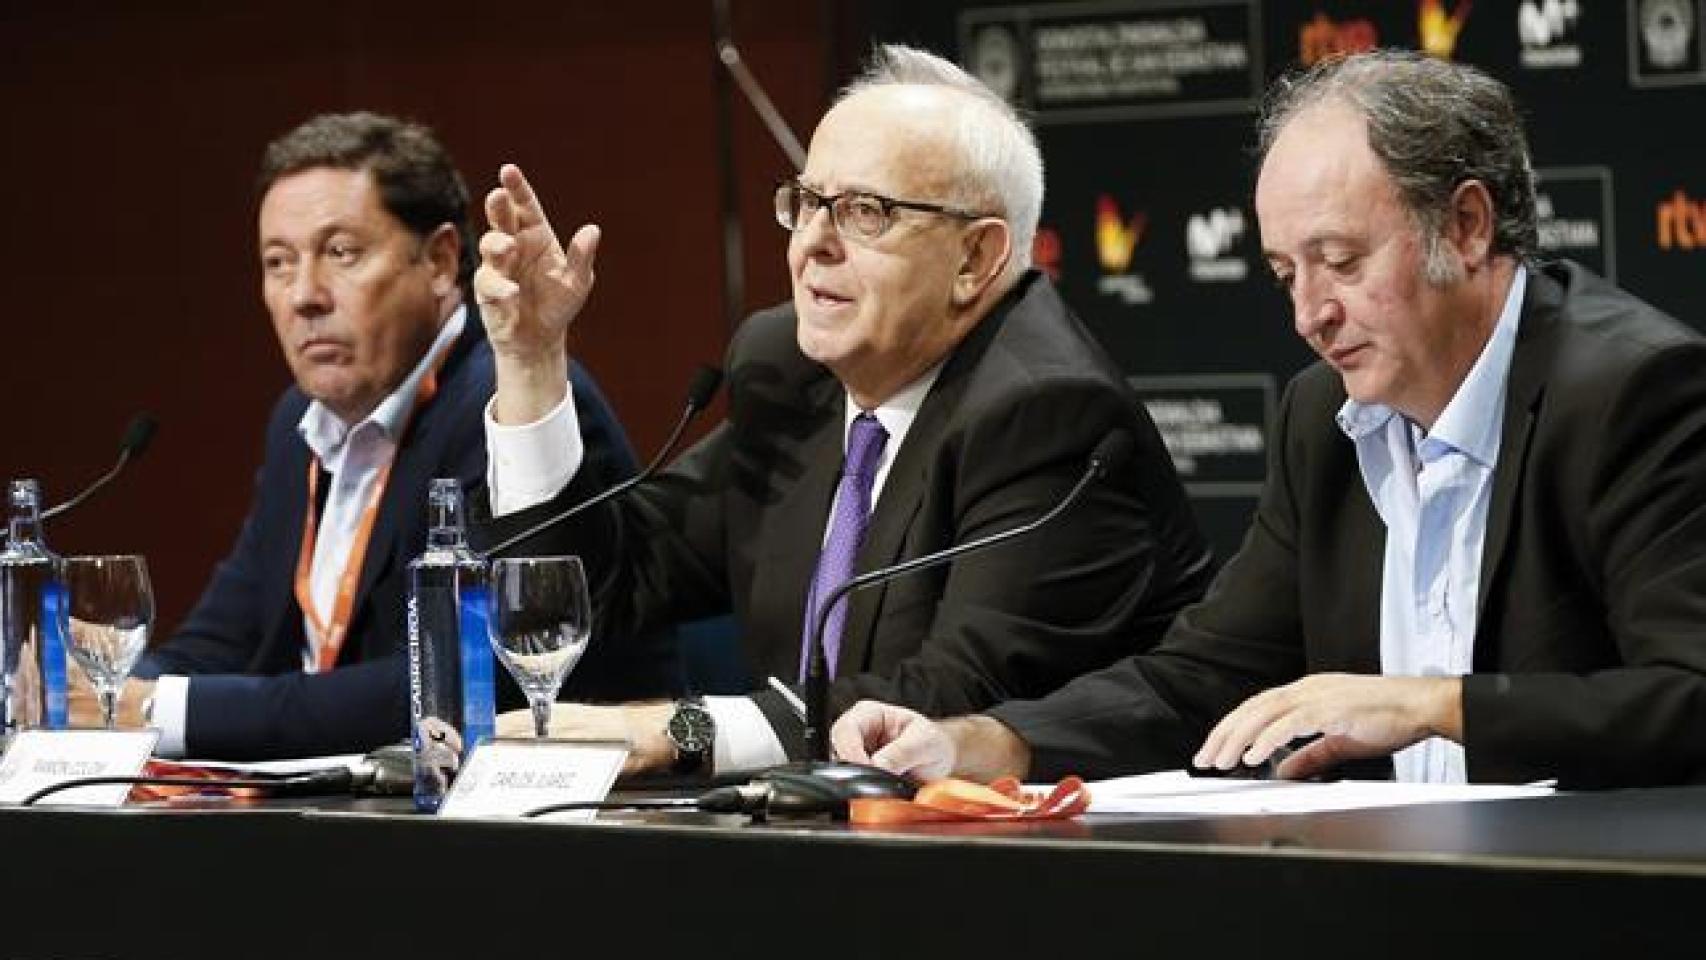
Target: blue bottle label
x=479 y=710
x=54 y=618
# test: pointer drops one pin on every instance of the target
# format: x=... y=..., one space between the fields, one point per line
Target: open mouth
x=827 y=298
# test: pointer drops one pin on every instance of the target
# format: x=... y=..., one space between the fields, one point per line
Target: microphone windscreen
x=1114 y=450
x=136 y=438
x=704 y=386
x=387 y=771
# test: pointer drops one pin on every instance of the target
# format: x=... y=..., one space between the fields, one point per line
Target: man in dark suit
x=365 y=253
x=1481 y=549
x=919 y=350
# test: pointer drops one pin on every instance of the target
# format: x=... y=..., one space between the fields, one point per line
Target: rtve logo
x=1321 y=38
x=1682 y=223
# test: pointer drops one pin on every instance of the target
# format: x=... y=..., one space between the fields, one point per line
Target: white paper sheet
x=1177 y=792
x=280 y=767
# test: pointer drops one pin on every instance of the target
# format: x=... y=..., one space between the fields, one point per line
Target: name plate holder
x=38 y=759
x=509 y=777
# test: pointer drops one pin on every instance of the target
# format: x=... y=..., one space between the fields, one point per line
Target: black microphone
x=699 y=393
x=1113 y=450
x=135 y=441
x=387 y=771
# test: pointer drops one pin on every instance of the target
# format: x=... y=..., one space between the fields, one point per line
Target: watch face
x=691 y=729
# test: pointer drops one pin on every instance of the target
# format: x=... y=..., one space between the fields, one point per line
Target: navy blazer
x=242 y=643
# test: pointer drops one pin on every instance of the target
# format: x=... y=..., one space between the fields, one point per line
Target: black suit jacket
x=737 y=523
x=1590 y=646
x=242 y=643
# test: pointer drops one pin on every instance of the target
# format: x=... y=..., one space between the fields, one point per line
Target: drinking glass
x=540 y=620
x=111 y=608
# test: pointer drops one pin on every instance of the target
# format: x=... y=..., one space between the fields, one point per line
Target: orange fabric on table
x=950 y=800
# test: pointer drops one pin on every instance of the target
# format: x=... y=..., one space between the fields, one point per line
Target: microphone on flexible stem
x=386 y=771
x=699 y=393
x=1113 y=450
x=136 y=437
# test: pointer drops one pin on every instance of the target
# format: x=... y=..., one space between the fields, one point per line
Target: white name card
x=508 y=778
x=37 y=759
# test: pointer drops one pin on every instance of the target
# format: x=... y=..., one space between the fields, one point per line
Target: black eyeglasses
x=856 y=215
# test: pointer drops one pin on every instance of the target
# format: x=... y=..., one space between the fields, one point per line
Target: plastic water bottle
x=450 y=655
x=32 y=619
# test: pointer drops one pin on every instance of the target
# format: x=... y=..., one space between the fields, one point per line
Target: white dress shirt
x=529 y=464
x=353 y=457
x=1432 y=491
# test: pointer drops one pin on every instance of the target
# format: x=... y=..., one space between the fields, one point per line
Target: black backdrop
x=1145 y=109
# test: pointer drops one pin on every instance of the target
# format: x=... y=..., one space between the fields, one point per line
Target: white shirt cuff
x=529 y=464
x=744 y=738
x=171 y=707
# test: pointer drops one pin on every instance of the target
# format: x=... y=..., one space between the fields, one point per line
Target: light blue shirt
x=1432 y=491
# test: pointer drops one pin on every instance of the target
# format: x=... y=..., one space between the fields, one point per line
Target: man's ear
x=984 y=251
x=1472 y=223
x=443 y=252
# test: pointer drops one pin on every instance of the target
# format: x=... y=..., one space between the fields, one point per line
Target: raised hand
x=530 y=288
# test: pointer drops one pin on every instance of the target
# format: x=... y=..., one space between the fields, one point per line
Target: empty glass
x=111 y=609
x=541 y=618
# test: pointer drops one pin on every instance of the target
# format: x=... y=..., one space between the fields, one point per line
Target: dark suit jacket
x=737 y=523
x=242 y=643
x=1590 y=646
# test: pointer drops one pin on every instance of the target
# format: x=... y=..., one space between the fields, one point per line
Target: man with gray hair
x=1481 y=548
x=924 y=388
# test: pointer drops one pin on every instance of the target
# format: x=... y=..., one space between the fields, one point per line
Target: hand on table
x=1356 y=717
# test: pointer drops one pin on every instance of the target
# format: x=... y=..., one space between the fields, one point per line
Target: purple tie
x=865 y=442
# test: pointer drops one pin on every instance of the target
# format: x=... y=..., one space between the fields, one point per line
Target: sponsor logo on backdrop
x=1574 y=212
x=1046 y=251
x=1682 y=223
x=1438 y=27
x=1214 y=426
x=1209 y=239
x=1117 y=238
x=1119 y=59
x=1664 y=43
x=1563 y=234
x=995 y=59
x=1667 y=32
x=1546 y=28
x=1325 y=37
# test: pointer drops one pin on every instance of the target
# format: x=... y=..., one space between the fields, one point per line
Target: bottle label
x=54 y=620
x=479 y=709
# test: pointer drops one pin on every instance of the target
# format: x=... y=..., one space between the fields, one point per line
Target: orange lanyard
x=326 y=634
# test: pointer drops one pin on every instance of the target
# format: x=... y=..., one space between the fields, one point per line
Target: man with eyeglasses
x=923 y=389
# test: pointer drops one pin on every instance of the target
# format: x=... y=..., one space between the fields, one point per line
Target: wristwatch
x=693 y=732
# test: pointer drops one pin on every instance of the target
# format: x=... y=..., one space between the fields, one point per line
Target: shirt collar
x=897 y=412
x=1471 y=420
x=325 y=432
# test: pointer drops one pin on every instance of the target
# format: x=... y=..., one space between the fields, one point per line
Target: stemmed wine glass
x=111 y=608
x=540 y=620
